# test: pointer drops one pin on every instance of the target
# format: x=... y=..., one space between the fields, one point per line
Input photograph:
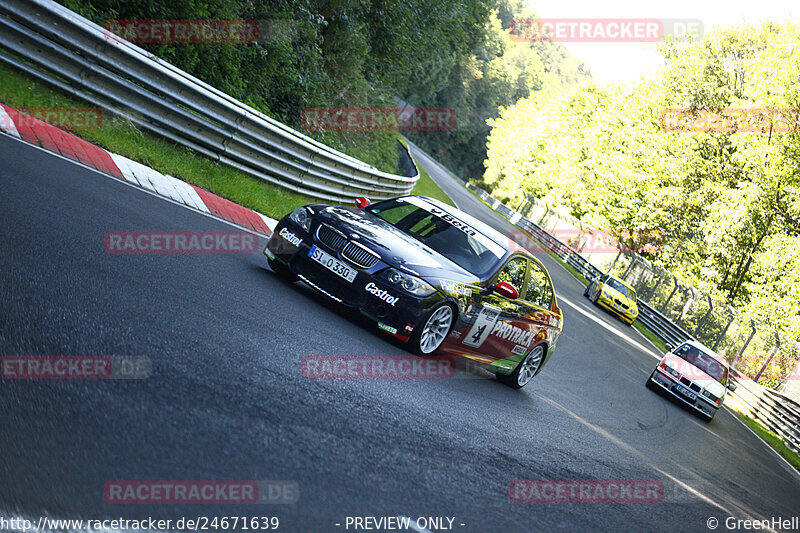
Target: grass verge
x=770 y=438
x=120 y=136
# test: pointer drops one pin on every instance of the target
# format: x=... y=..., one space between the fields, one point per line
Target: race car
x=429 y=275
x=615 y=295
x=695 y=375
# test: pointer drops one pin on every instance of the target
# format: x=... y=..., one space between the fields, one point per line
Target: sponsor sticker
x=290 y=237
x=519 y=349
x=388 y=328
x=507 y=332
x=382 y=294
x=455 y=288
x=484 y=322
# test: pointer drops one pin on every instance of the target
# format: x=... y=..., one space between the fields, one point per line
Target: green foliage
x=497 y=73
x=727 y=202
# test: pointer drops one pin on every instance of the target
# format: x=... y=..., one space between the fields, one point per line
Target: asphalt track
x=227 y=401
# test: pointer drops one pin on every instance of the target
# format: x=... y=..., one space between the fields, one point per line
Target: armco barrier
x=65 y=50
x=776 y=412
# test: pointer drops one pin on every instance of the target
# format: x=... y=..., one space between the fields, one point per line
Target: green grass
x=122 y=137
x=650 y=336
x=770 y=438
x=427 y=187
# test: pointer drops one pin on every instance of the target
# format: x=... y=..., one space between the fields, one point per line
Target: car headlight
x=410 y=284
x=711 y=396
x=301 y=217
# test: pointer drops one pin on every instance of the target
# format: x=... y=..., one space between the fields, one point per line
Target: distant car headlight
x=301 y=217
x=410 y=284
x=711 y=397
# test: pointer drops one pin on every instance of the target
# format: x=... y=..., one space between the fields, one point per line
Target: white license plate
x=686 y=392
x=331 y=263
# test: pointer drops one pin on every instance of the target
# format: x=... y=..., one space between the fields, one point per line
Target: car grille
x=330 y=238
x=619 y=303
x=359 y=256
x=691 y=385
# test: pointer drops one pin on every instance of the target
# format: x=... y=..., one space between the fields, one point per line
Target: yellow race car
x=615 y=295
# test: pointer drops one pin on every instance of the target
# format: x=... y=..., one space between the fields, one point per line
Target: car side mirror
x=731 y=386
x=506 y=289
x=362 y=202
x=669 y=347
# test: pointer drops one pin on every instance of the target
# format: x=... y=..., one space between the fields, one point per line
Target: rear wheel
x=427 y=338
x=650 y=385
x=525 y=371
x=281 y=270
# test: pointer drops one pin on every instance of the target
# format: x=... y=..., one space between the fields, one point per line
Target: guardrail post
x=747 y=343
x=630 y=265
x=724 y=331
x=771 y=355
x=675 y=280
x=658 y=282
x=703 y=320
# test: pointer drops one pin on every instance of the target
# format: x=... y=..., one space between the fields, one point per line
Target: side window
x=514 y=273
x=540 y=291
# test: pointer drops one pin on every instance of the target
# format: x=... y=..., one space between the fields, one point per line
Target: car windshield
x=703 y=361
x=443 y=232
x=621 y=288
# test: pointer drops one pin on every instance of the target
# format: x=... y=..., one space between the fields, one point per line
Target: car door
x=495 y=321
x=539 y=320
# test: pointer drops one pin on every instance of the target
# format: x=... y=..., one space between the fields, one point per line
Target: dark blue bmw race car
x=428 y=274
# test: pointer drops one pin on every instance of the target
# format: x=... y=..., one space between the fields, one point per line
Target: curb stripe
x=49 y=137
x=6 y=124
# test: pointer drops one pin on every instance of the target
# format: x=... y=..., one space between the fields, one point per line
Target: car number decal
x=483 y=325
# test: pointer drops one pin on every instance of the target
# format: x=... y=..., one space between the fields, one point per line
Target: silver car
x=695 y=375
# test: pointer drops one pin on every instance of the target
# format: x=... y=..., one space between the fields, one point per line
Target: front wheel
x=427 y=338
x=525 y=371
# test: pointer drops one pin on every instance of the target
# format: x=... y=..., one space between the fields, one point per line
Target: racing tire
x=525 y=370
x=433 y=330
x=649 y=383
x=282 y=271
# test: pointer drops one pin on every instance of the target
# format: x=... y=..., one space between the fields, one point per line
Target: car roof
x=705 y=349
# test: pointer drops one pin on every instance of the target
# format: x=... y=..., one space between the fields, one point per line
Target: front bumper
x=700 y=404
x=399 y=318
x=607 y=303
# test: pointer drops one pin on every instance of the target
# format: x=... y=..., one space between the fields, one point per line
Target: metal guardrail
x=776 y=412
x=67 y=51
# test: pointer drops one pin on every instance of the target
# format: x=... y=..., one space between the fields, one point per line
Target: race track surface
x=227 y=400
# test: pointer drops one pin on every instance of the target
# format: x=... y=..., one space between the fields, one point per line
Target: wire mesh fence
x=754 y=349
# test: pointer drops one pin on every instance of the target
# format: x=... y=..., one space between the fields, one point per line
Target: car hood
x=619 y=296
x=396 y=248
x=695 y=374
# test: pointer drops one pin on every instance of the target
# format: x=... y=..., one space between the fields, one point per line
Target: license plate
x=685 y=392
x=331 y=263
